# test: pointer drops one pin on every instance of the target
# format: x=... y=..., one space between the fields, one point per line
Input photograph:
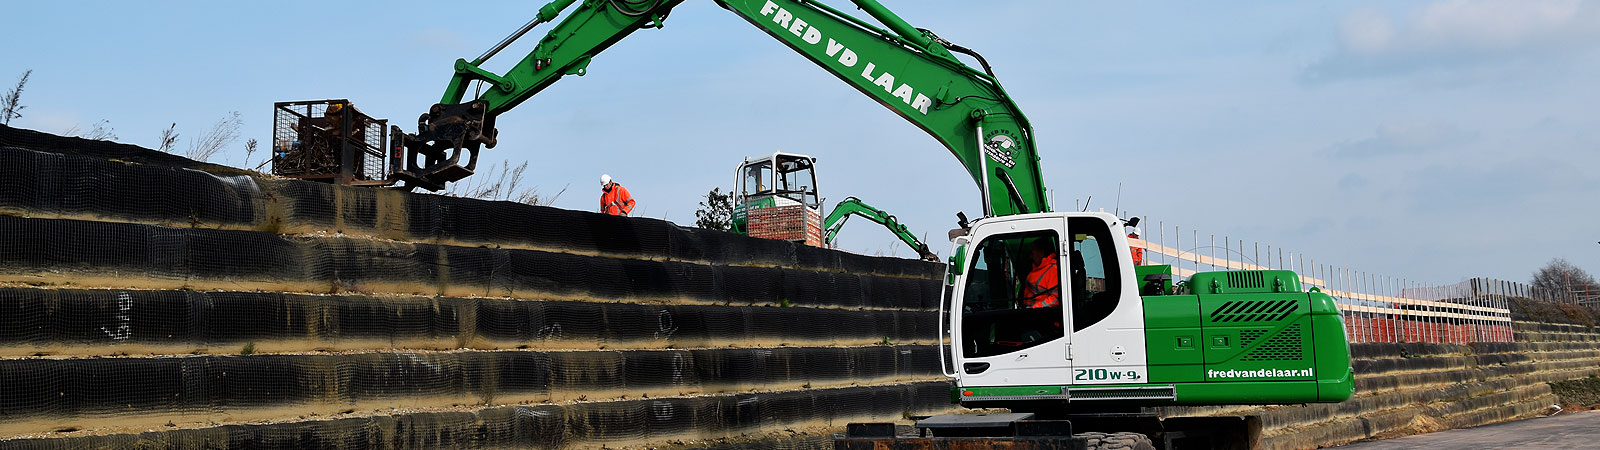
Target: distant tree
x=169 y=137
x=716 y=212
x=1563 y=277
x=221 y=134
x=11 y=105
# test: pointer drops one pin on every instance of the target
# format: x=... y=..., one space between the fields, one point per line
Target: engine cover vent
x=1247 y=280
x=1254 y=310
x=1244 y=282
x=1285 y=346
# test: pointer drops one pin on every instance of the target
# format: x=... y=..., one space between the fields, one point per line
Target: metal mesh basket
x=311 y=140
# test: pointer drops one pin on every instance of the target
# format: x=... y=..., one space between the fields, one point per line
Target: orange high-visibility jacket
x=615 y=200
x=1042 y=288
x=1138 y=253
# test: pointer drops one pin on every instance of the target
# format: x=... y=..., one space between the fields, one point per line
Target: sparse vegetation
x=221 y=134
x=505 y=187
x=11 y=105
x=169 y=137
x=101 y=131
x=249 y=149
x=716 y=212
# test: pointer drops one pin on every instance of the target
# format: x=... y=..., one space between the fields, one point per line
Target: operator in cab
x=1042 y=287
x=614 y=199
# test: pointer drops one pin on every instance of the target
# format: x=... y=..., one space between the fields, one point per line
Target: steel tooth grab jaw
x=443 y=134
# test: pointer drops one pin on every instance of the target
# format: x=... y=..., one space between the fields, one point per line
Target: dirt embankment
x=1578 y=395
x=1530 y=310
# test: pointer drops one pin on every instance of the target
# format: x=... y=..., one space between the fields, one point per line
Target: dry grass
x=506 y=186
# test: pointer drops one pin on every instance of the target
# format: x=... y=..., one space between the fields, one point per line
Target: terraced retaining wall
x=1404 y=389
x=150 y=300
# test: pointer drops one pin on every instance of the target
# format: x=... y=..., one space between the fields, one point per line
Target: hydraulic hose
x=962 y=50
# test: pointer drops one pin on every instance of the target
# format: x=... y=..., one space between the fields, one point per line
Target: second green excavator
x=776 y=197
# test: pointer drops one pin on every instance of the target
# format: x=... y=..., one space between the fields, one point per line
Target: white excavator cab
x=777 y=198
x=785 y=178
x=1046 y=300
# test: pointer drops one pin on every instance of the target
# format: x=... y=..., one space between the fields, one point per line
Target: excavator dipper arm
x=909 y=70
x=855 y=207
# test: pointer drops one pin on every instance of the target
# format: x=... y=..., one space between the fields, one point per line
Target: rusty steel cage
x=331 y=141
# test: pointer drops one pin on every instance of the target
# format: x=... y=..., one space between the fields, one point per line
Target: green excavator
x=852 y=206
x=776 y=197
x=1078 y=357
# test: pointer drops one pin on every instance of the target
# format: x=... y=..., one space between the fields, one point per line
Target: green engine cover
x=1244 y=282
x=1248 y=337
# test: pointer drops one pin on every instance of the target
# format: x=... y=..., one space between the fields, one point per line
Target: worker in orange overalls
x=1138 y=252
x=1042 y=287
x=614 y=199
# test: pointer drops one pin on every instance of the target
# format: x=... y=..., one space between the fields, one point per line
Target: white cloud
x=1367 y=31
x=1499 y=24
x=1454 y=34
x=1404 y=138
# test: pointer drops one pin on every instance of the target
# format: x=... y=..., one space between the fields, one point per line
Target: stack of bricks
x=790 y=223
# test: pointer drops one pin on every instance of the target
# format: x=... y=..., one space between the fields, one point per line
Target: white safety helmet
x=1134 y=231
x=605 y=179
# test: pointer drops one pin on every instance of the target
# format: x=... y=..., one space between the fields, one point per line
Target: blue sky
x=1430 y=140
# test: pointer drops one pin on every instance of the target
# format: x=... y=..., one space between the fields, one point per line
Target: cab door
x=1006 y=328
x=1106 y=310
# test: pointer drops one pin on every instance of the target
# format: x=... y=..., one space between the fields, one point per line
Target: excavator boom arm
x=908 y=70
x=855 y=207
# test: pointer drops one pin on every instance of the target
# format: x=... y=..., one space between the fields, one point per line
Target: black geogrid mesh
x=89 y=387
x=105 y=318
x=218 y=257
x=34 y=140
x=713 y=418
x=69 y=176
x=75 y=179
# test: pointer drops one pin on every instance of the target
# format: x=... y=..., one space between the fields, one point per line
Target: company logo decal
x=810 y=35
x=999 y=145
x=1263 y=373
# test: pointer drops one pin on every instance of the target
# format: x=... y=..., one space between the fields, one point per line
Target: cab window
x=1013 y=294
x=757 y=178
x=797 y=180
x=1095 y=276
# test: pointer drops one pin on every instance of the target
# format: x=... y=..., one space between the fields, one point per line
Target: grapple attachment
x=443 y=134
